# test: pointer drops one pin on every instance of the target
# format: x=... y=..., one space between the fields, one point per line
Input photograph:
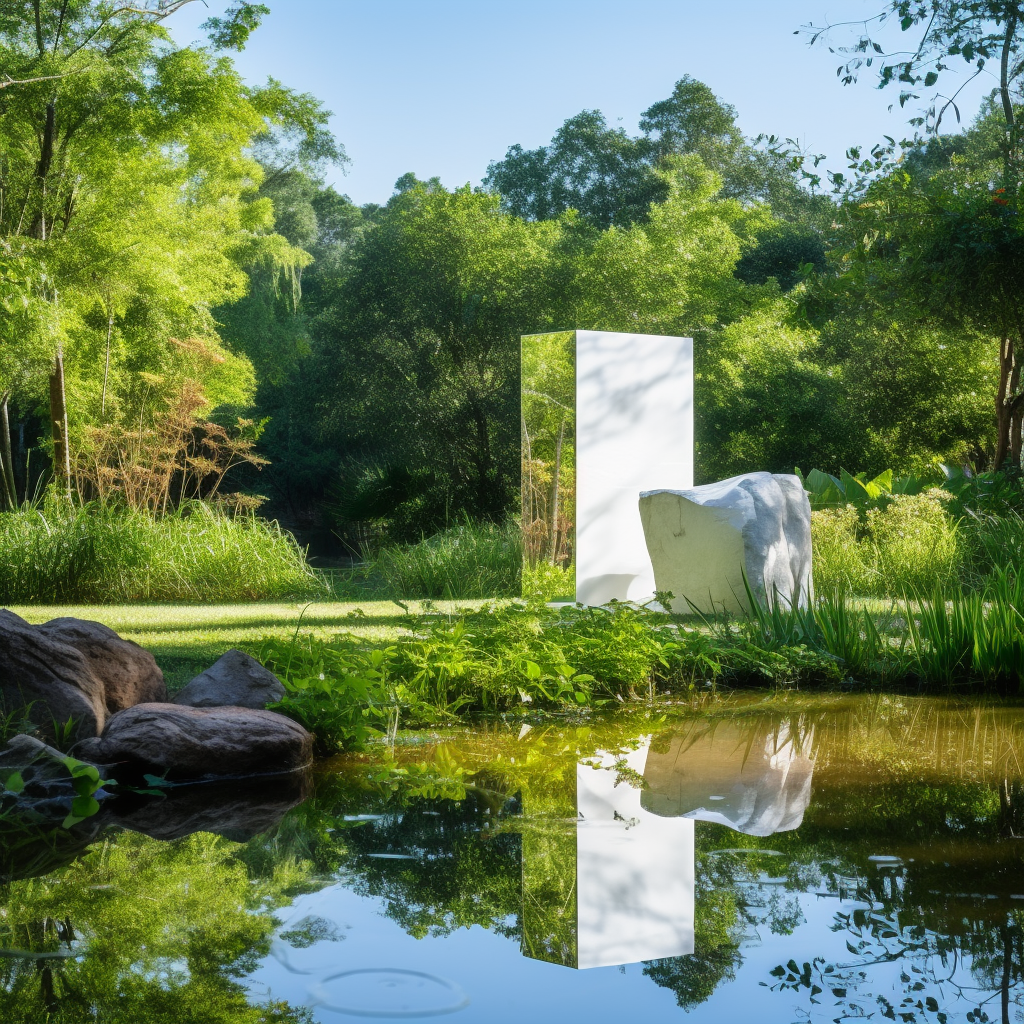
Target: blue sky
x=442 y=87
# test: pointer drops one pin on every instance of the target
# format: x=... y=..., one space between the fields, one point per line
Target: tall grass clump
x=996 y=544
x=95 y=553
x=467 y=561
x=910 y=544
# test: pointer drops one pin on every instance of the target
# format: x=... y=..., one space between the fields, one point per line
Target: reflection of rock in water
x=753 y=776
x=238 y=810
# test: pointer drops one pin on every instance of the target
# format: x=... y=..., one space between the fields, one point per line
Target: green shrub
x=916 y=545
x=63 y=553
x=549 y=582
x=839 y=559
x=467 y=561
x=911 y=544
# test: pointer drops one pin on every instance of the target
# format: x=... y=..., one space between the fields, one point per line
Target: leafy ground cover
x=358 y=670
x=187 y=638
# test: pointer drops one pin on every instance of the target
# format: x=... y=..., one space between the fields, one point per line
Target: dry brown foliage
x=175 y=457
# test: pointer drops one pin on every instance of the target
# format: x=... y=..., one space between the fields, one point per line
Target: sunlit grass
x=187 y=638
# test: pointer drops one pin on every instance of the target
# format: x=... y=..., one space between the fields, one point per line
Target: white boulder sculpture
x=702 y=540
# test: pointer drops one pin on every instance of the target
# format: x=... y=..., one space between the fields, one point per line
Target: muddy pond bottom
x=826 y=859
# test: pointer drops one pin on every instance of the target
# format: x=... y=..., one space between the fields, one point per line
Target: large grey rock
x=190 y=743
x=129 y=673
x=49 y=677
x=234 y=680
x=702 y=540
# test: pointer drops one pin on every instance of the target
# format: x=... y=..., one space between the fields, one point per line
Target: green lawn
x=187 y=638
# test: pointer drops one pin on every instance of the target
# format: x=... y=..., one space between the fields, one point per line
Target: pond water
x=833 y=859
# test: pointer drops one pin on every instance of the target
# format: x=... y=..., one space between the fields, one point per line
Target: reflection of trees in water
x=139 y=932
x=940 y=906
x=165 y=932
x=935 y=784
x=737 y=894
x=974 y=969
x=461 y=868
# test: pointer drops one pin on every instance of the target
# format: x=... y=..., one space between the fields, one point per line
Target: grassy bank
x=187 y=638
x=356 y=668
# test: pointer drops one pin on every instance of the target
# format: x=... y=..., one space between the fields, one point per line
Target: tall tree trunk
x=1017 y=432
x=1015 y=408
x=43 y=167
x=1004 y=981
x=59 y=424
x=106 y=366
x=7 y=488
x=1009 y=376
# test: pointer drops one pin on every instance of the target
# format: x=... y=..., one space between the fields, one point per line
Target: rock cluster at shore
x=81 y=681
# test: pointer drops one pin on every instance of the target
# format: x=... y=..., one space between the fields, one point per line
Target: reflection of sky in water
x=501 y=985
x=339 y=953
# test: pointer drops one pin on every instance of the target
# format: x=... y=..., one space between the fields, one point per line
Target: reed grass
x=472 y=560
x=62 y=553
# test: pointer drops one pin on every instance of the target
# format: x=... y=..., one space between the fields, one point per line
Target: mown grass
x=187 y=638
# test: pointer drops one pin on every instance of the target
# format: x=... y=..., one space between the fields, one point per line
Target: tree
x=420 y=335
x=956 y=235
x=417 y=351
x=610 y=177
x=127 y=206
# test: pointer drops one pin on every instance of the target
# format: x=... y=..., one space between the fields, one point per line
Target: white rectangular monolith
x=612 y=413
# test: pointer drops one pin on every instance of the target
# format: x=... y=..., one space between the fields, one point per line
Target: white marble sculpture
x=702 y=540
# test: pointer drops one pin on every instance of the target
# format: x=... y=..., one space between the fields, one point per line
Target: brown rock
x=233 y=680
x=190 y=743
x=50 y=677
x=129 y=673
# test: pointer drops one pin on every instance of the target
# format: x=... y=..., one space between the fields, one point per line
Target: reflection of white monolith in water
x=634 y=872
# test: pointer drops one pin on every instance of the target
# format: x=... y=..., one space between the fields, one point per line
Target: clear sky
x=442 y=87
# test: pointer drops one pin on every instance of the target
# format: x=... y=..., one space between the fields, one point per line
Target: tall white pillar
x=632 y=414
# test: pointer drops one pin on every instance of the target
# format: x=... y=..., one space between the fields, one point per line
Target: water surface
x=832 y=859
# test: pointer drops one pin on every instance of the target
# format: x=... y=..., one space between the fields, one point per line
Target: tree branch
x=1004 y=83
x=8 y=82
